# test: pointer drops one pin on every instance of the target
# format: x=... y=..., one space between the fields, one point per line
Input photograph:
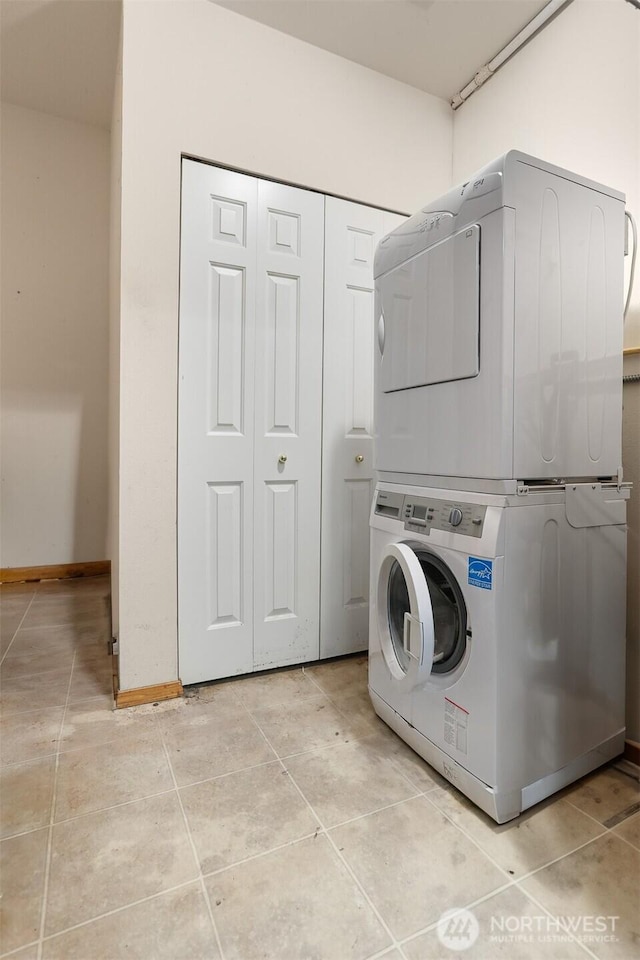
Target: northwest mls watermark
x=459 y=929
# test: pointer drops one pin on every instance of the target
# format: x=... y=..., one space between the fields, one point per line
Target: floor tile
x=26 y=790
x=341 y=677
x=414 y=864
x=91 y=678
x=305 y=725
x=413 y=767
x=605 y=794
x=102 y=776
x=122 y=855
x=243 y=814
x=629 y=829
x=498 y=934
x=58 y=640
x=274 y=688
x=222 y=694
x=359 y=709
x=207 y=740
x=22 y=884
x=348 y=780
x=91 y=722
x=9 y=623
x=27 y=953
x=601 y=879
x=22 y=740
x=50 y=611
x=171 y=925
x=296 y=902
x=542 y=834
x=38 y=691
x=27 y=666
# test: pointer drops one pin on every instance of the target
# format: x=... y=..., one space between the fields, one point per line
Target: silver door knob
x=282 y=458
x=359 y=458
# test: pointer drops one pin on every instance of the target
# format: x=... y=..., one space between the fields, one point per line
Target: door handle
x=359 y=458
x=282 y=458
x=406 y=634
x=381 y=333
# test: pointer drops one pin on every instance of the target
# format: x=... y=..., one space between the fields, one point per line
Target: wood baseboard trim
x=139 y=695
x=55 y=571
x=632 y=752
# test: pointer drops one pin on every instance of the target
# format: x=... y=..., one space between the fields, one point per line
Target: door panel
x=215 y=422
x=352 y=232
x=288 y=383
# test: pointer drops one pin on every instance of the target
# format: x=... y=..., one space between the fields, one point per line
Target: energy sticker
x=456 y=723
x=480 y=573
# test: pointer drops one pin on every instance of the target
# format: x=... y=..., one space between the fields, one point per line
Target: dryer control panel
x=423 y=514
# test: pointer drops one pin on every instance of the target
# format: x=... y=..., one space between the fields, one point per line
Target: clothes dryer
x=499 y=325
x=497 y=634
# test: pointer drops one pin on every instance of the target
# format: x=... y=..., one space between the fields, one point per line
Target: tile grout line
x=262 y=854
x=550 y=863
x=529 y=873
x=102 y=916
x=54 y=797
x=545 y=910
x=53 y=706
x=394 y=941
x=619 y=836
x=2 y=659
x=203 y=886
x=605 y=829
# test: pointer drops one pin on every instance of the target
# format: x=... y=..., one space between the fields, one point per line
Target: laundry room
x=321 y=465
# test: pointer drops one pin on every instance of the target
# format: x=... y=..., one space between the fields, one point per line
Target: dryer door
x=405 y=617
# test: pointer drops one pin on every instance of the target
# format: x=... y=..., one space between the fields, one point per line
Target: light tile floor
x=269 y=817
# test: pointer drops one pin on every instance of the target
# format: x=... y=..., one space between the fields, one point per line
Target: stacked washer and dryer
x=498 y=527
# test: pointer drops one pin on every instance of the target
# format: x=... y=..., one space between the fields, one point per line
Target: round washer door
x=422 y=617
x=405 y=616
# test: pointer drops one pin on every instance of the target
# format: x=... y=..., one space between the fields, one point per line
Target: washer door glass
x=397 y=606
x=448 y=613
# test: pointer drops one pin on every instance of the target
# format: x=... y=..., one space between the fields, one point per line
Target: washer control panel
x=423 y=514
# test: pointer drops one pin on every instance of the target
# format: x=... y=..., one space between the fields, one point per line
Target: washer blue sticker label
x=481 y=573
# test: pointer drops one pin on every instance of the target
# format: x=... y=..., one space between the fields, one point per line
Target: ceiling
x=436 y=46
x=59 y=56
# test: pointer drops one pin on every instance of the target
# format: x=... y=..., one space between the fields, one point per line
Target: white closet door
x=352 y=232
x=216 y=428
x=288 y=413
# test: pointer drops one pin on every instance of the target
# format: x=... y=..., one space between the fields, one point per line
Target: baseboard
x=55 y=571
x=632 y=752
x=139 y=695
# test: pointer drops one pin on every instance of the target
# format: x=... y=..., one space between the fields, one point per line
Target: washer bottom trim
x=500 y=805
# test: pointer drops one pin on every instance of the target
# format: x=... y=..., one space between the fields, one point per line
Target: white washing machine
x=499 y=310
x=497 y=634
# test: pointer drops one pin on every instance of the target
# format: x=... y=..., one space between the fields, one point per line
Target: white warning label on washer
x=456 y=722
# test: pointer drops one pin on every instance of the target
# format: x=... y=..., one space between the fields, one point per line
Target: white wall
x=54 y=251
x=572 y=97
x=201 y=80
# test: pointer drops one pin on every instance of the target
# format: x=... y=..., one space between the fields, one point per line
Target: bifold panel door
x=288 y=422
x=352 y=232
x=249 y=424
x=215 y=422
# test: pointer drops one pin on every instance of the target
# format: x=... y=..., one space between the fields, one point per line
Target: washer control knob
x=455 y=517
